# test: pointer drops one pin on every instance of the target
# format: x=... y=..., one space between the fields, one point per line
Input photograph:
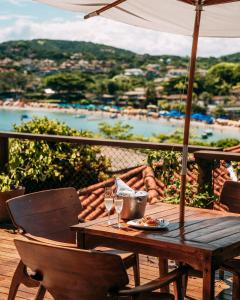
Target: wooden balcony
x=149 y=270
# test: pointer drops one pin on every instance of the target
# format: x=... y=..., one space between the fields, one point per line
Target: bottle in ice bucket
x=134 y=203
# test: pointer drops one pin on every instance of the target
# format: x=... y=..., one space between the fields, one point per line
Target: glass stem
x=109 y=217
x=118 y=220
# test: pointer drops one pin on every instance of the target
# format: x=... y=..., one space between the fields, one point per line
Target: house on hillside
x=173 y=73
x=136 y=97
x=175 y=98
x=107 y=99
x=134 y=72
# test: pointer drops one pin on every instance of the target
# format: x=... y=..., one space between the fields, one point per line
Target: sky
x=28 y=19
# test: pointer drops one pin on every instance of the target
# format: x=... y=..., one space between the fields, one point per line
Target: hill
x=60 y=50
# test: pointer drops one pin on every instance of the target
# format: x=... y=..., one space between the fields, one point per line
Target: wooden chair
x=46 y=216
x=230 y=201
x=74 y=274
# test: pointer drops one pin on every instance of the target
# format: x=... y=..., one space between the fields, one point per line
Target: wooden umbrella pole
x=189 y=108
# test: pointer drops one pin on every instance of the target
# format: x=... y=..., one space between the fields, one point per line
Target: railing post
x=4 y=154
x=205 y=175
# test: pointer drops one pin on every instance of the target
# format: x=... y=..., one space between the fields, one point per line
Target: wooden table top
x=205 y=232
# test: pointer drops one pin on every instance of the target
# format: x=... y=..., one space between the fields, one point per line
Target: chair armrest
x=220 y=206
x=154 y=284
x=47 y=241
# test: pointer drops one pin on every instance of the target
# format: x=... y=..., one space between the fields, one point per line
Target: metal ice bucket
x=134 y=207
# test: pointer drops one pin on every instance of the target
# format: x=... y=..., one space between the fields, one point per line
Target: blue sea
x=141 y=125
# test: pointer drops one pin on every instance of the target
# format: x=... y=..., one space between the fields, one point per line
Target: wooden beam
x=217 y=2
x=100 y=142
x=103 y=9
x=217 y=155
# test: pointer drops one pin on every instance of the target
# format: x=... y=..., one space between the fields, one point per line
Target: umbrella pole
x=189 y=108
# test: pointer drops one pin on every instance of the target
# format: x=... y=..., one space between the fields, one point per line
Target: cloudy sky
x=27 y=19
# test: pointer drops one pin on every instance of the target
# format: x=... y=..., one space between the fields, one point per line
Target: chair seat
x=156 y=296
x=233 y=265
x=127 y=257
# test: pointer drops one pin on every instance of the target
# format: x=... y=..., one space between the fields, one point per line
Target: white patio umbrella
x=218 y=18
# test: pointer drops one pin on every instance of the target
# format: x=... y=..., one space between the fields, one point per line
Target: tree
x=16 y=81
x=39 y=165
x=68 y=85
x=151 y=96
x=205 y=97
x=221 y=77
x=112 y=87
x=219 y=111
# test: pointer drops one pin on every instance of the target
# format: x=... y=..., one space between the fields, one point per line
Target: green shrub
x=165 y=165
x=39 y=165
x=226 y=143
x=7 y=183
x=192 y=196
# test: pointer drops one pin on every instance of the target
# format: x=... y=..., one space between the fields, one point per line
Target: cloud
x=9 y=17
x=18 y=2
x=112 y=33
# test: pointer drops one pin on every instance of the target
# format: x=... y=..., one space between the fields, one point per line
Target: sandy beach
x=179 y=122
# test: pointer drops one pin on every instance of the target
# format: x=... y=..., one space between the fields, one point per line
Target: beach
x=133 y=117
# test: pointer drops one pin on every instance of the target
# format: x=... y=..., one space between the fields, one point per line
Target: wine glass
x=118 y=202
x=108 y=201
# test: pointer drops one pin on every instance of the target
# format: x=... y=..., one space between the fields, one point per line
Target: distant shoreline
x=221 y=127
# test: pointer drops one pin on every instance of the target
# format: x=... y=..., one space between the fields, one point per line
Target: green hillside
x=60 y=50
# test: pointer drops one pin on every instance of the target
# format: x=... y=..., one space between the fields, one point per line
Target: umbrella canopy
x=220 y=18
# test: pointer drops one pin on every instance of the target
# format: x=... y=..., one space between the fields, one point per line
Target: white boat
x=81 y=116
x=208 y=132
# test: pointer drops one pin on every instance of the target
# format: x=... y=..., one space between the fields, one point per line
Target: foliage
x=8 y=183
x=176 y=137
x=40 y=165
x=13 y=80
x=219 y=111
x=117 y=131
x=151 y=96
x=164 y=164
x=226 y=143
x=68 y=84
x=105 y=76
x=192 y=196
x=221 y=77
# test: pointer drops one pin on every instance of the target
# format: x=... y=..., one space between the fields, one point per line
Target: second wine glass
x=118 y=202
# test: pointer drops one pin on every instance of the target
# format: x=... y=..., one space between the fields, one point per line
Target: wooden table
x=207 y=239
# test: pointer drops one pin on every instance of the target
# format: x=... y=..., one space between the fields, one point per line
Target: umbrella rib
x=103 y=9
x=130 y=13
x=191 y=2
x=90 y=4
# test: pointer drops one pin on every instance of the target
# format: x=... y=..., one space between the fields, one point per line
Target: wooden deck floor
x=149 y=270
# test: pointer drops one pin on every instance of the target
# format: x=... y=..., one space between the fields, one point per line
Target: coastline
x=87 y=112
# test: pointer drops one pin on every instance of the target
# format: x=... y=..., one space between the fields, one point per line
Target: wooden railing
x=204 y=156
x=5 y=136
x=206 y=162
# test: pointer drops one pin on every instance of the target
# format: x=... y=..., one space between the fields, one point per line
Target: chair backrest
x=73 y=274
x=230 y=196
x=47 y=214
